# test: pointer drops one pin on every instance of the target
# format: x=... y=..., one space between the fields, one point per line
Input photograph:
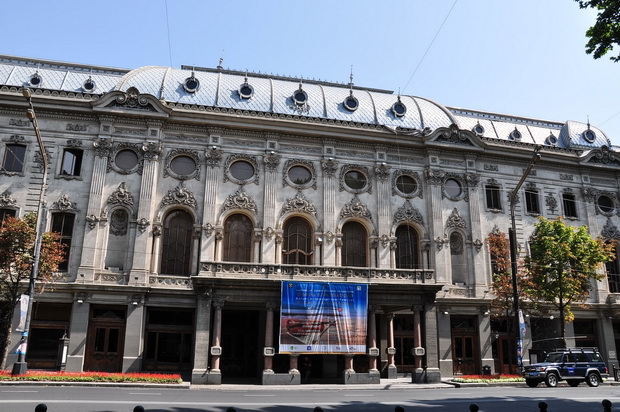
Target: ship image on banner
x=318 y=317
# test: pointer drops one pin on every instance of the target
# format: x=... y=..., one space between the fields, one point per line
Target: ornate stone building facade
x=185 y=197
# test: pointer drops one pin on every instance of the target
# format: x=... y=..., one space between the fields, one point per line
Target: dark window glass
x=399 y=109
x=354 y=244
x=570 y=206
x=406 y=184
x=355 y=179
x=407 y=248
x=297 y=247
x=183 y=165
x=4 y=213
x=299 y=175
x=452 y=188
x=71 y=162
x=177 y=243
x=62 y=223
x=238 y=231
x=14 y=157
x=246 y=91
x=605 y=203
x=300 y=97
x=126 y=159
x=493 y=197
x=531 y=202
x=241 y=170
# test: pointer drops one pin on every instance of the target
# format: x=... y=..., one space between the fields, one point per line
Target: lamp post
x=513 y=255
x=20 y=367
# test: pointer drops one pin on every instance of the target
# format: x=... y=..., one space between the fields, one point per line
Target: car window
x=596 y=357
x=581 y=357
x=554 y=357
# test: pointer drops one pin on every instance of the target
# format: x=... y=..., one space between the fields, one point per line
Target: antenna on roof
x=588 y=117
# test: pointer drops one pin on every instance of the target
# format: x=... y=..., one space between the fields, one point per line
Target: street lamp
x=20 y=367
x=513 y=254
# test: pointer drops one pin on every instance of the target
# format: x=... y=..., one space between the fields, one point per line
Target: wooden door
x=104 y=342
x=465 y=351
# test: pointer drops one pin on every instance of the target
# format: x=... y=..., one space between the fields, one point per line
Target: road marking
x=144 y=393
x=269 y=396
x=20 y=391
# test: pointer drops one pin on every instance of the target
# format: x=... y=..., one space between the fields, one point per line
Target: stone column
x=433 y=373
x=373 y=351
x=476 y=264
x=439 y=256
x=215 y=376
x=92 y=245
x=200 y=371
x=293 y=365
x=269 y=351
x=134 y=335
x=418 y=375
x=391 y=350
x=330 y=251
x=142 y=253
x=349 y=371
x=271 y=251
x=382 y=171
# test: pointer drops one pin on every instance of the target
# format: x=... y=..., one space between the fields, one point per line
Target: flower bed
x=488 y=378
x=91 y=377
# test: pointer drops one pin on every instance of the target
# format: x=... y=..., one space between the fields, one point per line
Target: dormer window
x=300 y=97
x=89 y=85
x=35 y=80
x=589 y=135
x=515 y=135
x=351 y=103
x=478 y=129
x=551 y=140
x=191 y=84
x=399 y=109
x=245 y=90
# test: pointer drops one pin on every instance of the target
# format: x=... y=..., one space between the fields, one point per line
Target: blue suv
x=574 y=365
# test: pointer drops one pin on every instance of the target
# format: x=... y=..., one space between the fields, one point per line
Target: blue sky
x=525 y=58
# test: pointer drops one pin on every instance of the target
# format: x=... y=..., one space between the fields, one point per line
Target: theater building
x=190 y=199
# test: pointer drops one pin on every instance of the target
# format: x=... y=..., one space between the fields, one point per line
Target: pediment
x=131 y=102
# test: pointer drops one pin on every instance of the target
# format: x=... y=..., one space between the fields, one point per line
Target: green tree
x=605 y=34
x=17 y=242
x=564 y=262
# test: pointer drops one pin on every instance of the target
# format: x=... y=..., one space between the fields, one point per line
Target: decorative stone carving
x=299 y=203
x=92 y=221
x=18 y=139
x=38 y=160
x=385 y=240
x=472 y=179
x=193 y=154
x=143 y=224
x=268 y=233
x=132 y=99
x=219 y=234
x=355 y=209
x=64 y=204
x=408 y=213
x=604 y=156
x=329 y=237
x=208 y=228
x=121 y=196
x=213 y=157
x=19 y=122
x=455 y=220
x=74 y=127
x=180 y=196
x=156 y=230
x=74 y=143
x=6 y=200
x=477 y=245
x=455 y=136
x=152 y=150
x=299 y=162
x=197 y=232
x=439 y=242
x=589 y=193
x=271 y=162
x=239 y=200
x=551 y=202
x=103 y=146
x=382 y=171
x=329 y=166
x=610 y=231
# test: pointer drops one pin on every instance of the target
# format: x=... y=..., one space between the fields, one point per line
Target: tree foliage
x=17 y=242
x=563 y=263
x=605 y=34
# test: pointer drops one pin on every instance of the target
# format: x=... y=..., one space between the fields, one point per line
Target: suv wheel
x=593 y=379
x=552 y=380
x=531 y=383
x=573 y=382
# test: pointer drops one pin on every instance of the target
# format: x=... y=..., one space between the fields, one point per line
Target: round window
x=183 y=165
x=589 y=135
x=89 y=85
x=351 y=103
x=191 y=84
x=300 y=97
x=515 y=135
x=241 y=170
x=126 y=159
x=478 y=129
x=299 y=175
x=399 y=109
x=355 y=180
x=35 y=80
x=406 y=184
x=605 y=203
x=452 y=188
x=246 y=91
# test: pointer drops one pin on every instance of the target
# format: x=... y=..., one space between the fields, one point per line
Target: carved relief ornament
x=121 y=196
x=239 y=200
x=299 y=203
x=180 y=196
x=355 y=209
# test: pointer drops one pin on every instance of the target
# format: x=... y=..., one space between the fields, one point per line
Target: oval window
x=605 y=203
x=246 y=91
x=479 y=129
x=191 y=84
x=355 y=180
x=452 y=188
x=300 y=97
x=89 y=85
x=299 y=175
x=35 y=80
x=406 y=184
x=126 y=159
x=351 y=103
x=241 y=170
x=589 y=135
x=183 y=165
x=399 y=109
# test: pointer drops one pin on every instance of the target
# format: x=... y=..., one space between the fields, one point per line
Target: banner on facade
x=23 y=311
x=319 y=317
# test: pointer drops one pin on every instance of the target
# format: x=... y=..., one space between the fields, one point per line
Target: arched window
x=407 y=248
x=354 y=244
x=238 y=232
x=297 y=247
x=177 y=243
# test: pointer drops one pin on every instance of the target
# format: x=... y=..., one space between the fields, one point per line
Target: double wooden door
x=105 y=340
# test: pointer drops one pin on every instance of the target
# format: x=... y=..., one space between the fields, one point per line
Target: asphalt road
x=280 y=399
